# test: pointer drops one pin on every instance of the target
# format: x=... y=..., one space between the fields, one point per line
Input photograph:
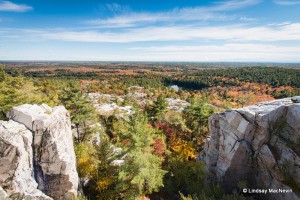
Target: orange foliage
x=86 y=166
x=184 y=149
x=104 y=183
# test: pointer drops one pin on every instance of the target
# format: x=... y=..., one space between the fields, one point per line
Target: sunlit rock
x=258 y=144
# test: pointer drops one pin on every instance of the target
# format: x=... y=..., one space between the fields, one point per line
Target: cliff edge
x=37 y=159
x=259 y=144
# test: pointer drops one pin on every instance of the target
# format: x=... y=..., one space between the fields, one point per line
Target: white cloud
x=233 y=5
x=233 y=47
x=12 y=7
x=287 y=2
x=270 y=33
x=226 y=52
x=199 y=13
x=116 y=8
x=247 y=19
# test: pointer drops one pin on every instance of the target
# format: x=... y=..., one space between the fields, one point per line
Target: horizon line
x=145 y=61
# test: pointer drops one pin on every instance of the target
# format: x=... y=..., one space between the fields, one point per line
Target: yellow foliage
x=86 y=166
x=104 y=183
x=86 y=161
x=184 y=149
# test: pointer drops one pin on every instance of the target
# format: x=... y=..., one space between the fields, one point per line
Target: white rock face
x=16 y=163
x=52 y=158
x=113 y=108
x=177 y=104
x=259 y=144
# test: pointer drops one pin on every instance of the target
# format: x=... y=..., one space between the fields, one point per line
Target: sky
x=151 y=30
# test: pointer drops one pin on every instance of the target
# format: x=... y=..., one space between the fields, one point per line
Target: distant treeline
x=59 y=73
x=273 y=76
x=188 y=79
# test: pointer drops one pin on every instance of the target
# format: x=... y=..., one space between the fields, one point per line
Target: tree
x=16 y=91
x=242 y=100
x=184 y=176
x=94 y=163
x=197 y=115
x=79 y=107
x=159 y=107
x=141 y=173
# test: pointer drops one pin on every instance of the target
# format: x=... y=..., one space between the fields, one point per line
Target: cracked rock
x=37 y=154
x=257 y=144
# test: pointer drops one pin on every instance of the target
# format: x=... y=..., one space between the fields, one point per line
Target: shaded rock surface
x=259 y=144
x=37 y=158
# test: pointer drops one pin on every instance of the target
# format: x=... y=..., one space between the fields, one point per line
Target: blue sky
x=150 y=30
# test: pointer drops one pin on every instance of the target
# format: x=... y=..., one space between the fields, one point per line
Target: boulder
x=258 y=144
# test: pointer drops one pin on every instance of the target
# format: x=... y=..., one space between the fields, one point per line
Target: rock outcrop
x=16 y=164
x=259 y=144
x=37 y=158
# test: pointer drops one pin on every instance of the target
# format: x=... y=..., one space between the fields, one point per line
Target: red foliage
x=126 y=142
x=159 y=147
x=166 y=128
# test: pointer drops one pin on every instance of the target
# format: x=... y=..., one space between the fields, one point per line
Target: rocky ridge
x=37 y=159
x=259 y=144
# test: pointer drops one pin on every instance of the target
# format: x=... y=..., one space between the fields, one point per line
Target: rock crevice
x=259 y=144
x=37 y=156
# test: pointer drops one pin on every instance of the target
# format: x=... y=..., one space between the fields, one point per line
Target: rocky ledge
x=37 y=159
x=259 y=145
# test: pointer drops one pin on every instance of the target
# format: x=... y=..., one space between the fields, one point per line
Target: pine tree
x=141 y=173
x=197 y=115
x=94 y=163
x=79 y=107
x=159 y=107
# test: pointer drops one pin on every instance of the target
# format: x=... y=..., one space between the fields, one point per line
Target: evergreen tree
x=141 y=173
x=95 y=164
x=197 y=114
x=159 y=107
x=79 y=107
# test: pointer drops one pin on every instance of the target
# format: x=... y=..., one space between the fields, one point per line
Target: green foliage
x=50 y=89
x=79 y=107
x=141 y=174
x=176 y=119
x=95 y=163
x=184 y=175
x=16 y=91
x=214 y=193
x=274 y=76
x=86 y=159
x=197 y=114
x=286 y=93
x=159 y=107
x=75 y=101
x=79 y=197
